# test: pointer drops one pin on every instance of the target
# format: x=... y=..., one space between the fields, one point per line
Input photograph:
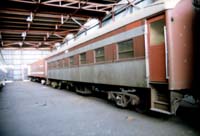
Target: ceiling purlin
x=46 y=21
x=77 y=4
x=36 y=25
x=30 y=6
x=24 y=13
x=73 y=4
x=48 y=33
x=11 y=43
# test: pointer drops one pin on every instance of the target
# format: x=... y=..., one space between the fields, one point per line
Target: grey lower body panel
x=125 y=73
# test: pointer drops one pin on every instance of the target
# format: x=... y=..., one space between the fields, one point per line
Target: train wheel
x=54 y=84
x=121 y=100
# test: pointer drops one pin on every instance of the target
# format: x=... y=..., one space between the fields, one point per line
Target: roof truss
x=42 y=23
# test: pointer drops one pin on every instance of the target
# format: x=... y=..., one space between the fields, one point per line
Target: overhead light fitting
x=66 y=51
x=30 y=18
x=62 y=19
x=107 y=12
x=57 y=44
x=23 y=34
x=47 y=35
x=39 y=44
x=20 y=44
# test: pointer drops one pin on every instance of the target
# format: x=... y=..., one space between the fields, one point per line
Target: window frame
x=72 y=63
x=102 y=57
x=131 y=51
x=157 y=36
x=83 y=60
x=65 y=63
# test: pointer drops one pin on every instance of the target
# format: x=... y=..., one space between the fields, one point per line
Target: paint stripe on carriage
x=113 y=39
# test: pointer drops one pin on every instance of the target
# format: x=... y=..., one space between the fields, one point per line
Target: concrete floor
x=31 y=109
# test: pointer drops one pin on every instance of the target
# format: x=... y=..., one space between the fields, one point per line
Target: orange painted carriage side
x=38 y=69
x=179 y=29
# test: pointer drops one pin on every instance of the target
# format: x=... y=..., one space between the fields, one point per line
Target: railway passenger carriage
x=38 y=71
x=145 y=59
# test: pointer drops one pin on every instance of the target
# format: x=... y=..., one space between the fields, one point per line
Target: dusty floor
x=31 y=109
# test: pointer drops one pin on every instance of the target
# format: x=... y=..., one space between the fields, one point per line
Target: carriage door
x=156 y=43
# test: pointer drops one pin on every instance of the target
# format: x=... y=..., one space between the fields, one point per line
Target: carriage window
x=65 y=62
x=99 y=54
x=53 y=65
x=83 y=58
x=157 y=33
x=125 y=49
x=49 y=65
x=60 y=64
x=57 y=64
x=71 y=59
